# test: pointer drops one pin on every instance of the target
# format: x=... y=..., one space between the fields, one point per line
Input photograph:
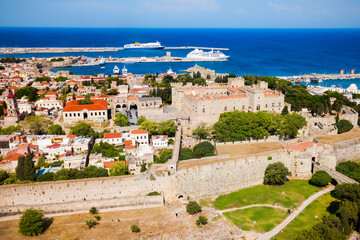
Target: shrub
x=320 y=179
x=201 y=220
x=205 y=145
x=135 y=228
x=153 y=194
x=93 y=210
x=90 y=223
x=49 y=176
x=276 y=174
x=31 y=222
x=344 y=126
x=193 y=207
x=3 y=175
x=97 y=217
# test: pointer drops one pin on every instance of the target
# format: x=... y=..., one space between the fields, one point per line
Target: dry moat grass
x=152 y=222
x=355 y=133
x=247 y=148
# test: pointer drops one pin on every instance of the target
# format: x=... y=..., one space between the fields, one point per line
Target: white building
x=141 y=136
x=159 y=141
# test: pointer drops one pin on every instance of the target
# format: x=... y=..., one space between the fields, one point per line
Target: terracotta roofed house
x=113 y=138
x=98 y=111
x=141 y=136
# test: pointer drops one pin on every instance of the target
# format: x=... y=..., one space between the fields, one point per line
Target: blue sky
x=181 y=13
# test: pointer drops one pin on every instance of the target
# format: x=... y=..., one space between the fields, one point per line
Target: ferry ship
x=116 y=70
x=201 y=55
x=146 y=46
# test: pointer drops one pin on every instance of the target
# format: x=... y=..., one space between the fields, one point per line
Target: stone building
x=206 y=103
x=13 y=116
x=98 y=111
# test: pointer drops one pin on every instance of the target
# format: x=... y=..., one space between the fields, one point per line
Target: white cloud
x=181 y=5
x=283 y=7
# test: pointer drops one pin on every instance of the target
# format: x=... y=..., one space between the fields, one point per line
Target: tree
x=83 y=129
x=112 y=92
x=29 y=168
x=120 y=168
x=121 y=120
x=55 y=129
x=199 y=81
x=203 y=148
x=186 y=153
x=276 y=174
x=350 y=169
x=31 y=222
x=63 y=174
x=42 y=79
x=135 y=228
x=320 y=179
x=30 y=93
x=201 y=131
x=143 y=167
x=150 y=127
x=94 y=172
x=285 y=111
x=36 y=125
x=140 y=120
x=344 y=126
x=75 y=88
x=167 y=128
x=3 y=175
x=201 y=221
x=165 y=155
x=20 y=168
x=49 y=176
x=193 y=207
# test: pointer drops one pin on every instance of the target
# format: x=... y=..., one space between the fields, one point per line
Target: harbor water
x=273 y=52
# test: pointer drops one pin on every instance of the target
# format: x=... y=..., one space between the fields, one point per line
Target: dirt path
x=293 y=215
x=250 y=206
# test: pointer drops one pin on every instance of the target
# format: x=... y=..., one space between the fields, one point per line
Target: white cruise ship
x=201 y=55
x=116 y=70
x=152 y=46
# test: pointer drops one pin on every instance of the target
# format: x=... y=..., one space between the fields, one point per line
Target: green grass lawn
x=306 y=219
x=295 y=192
x=266 y=218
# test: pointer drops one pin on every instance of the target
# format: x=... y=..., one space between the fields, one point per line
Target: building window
x=258 y=107
x=95 y=113
x=79 y=114
x=203 y=110
x=225 y=108
x=273 y=105
x=243 y=106
x=279 y=104
x=103 y=113
x=65 y=114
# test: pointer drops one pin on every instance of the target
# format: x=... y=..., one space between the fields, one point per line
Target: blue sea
x=273 y=52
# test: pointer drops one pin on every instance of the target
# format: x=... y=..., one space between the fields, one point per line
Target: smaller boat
x=102 y=67
x=116 y=70
x=102 y=61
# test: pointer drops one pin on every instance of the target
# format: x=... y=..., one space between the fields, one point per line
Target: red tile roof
x=138 y=131
x=51 y=93
x=300 y=146
x=128 y=142
x=130 y=147
x=12 y=156
x=98 y=104
x=71 y=136
x=108 y=164
x=132 y=97
x=112 y=135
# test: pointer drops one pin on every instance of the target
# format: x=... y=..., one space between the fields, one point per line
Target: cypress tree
x=20 y=168
x=29 y=168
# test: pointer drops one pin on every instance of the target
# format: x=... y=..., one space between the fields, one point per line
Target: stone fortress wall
x=196 y=179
